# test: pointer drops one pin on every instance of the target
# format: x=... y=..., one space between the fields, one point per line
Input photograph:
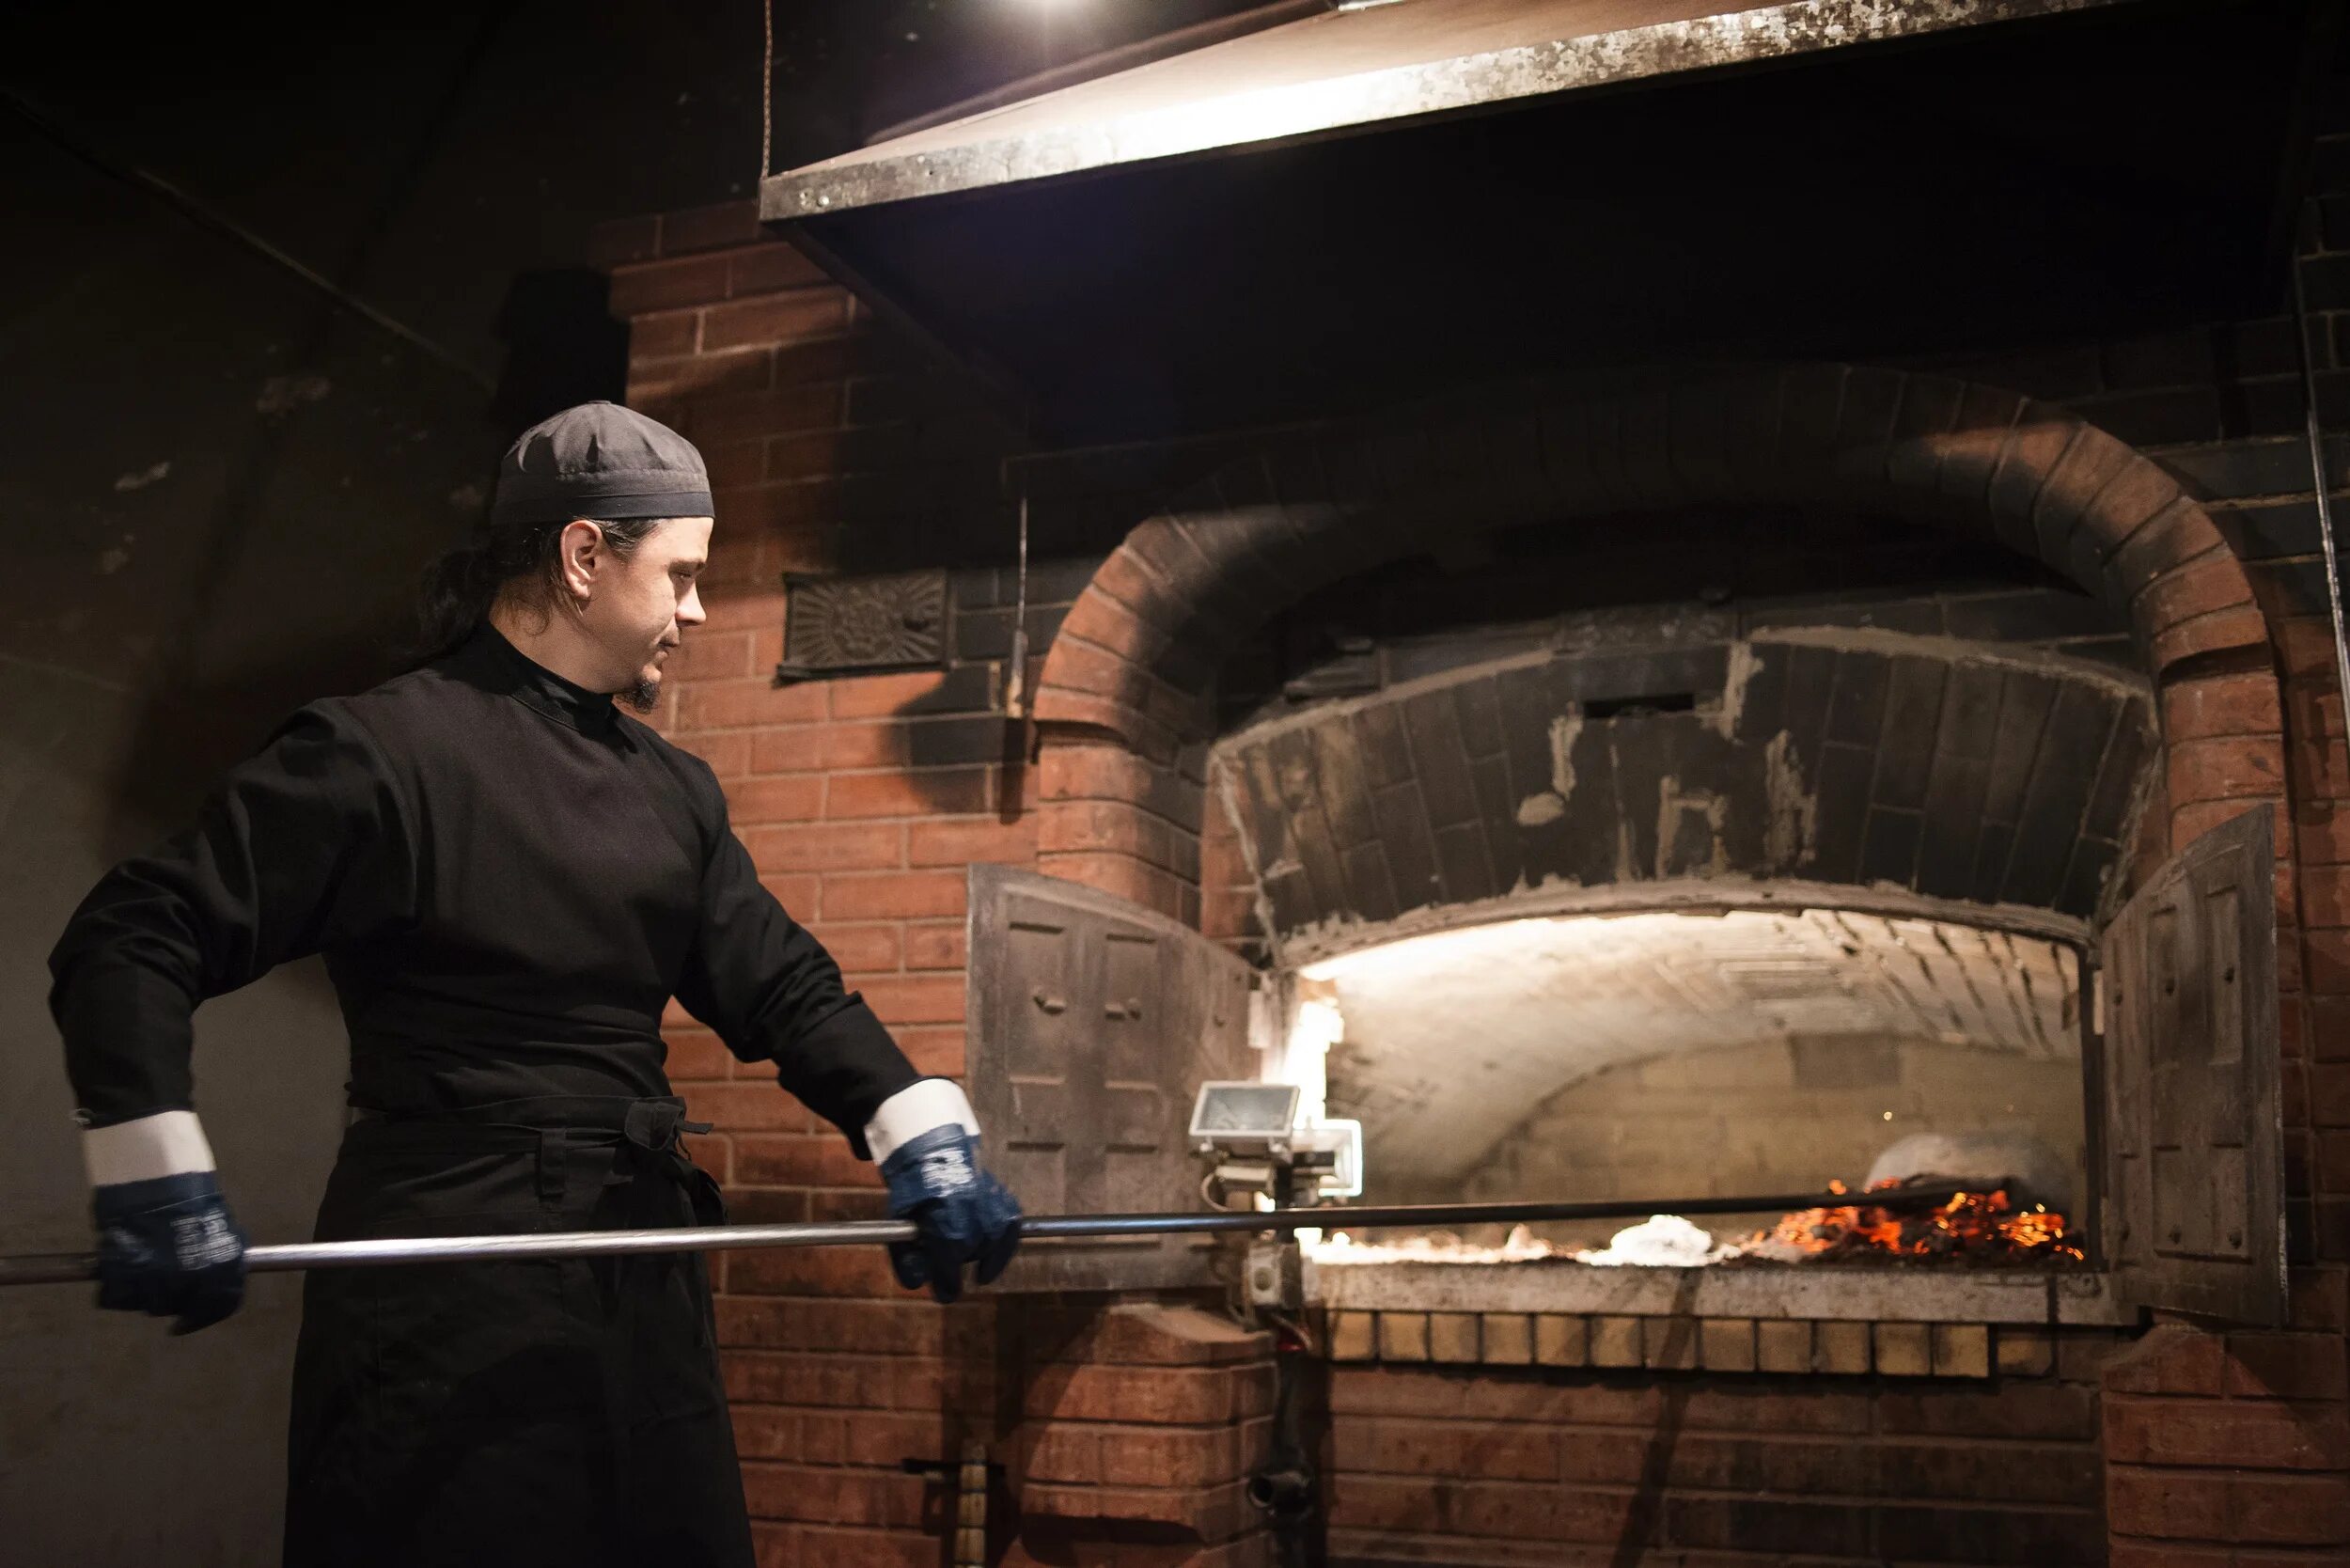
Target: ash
x=1438 y=1246
x=1661 y=1241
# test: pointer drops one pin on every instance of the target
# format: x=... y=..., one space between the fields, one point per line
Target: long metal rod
x=64 y=1268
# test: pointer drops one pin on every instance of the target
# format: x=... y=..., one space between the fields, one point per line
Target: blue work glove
x=169 y=1246
x=965 y=1214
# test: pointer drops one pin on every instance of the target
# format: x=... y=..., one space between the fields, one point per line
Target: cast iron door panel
x=2194 y=1195
x=1093 y=1022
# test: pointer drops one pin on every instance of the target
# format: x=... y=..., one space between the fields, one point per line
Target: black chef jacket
x=508 y=879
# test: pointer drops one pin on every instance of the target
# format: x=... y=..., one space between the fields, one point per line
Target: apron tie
x=650 y=1132
x=648 y=1146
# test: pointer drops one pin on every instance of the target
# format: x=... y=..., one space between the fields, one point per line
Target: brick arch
x=1122 y=700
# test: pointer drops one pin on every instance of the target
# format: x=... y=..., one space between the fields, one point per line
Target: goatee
x=644 y=696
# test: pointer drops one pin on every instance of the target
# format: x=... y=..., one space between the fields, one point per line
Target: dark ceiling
x=281 y=283
x=422 y=155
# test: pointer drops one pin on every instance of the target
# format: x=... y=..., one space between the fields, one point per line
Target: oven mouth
x=1618 y=1055
x=1979 y=1230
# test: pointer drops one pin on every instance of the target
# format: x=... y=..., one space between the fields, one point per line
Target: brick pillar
x=1141 y=1423
x=2230 y=1449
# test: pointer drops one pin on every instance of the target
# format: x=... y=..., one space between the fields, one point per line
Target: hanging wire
x=2317 y=466
x=1016 y=682
x=766 y=88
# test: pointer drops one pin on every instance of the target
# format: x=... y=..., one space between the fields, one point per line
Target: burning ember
x=1973 y=1227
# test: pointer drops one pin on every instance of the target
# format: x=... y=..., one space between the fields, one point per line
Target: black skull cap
x=599 y=460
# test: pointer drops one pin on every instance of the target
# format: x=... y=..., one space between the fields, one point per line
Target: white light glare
x=1305 y=1057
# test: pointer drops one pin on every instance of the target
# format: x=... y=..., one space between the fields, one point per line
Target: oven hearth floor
x=1914 y=1290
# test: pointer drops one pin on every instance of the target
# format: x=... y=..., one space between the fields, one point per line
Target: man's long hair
x=459 y=587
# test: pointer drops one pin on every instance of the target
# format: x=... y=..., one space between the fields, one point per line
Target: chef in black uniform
x=510 y=877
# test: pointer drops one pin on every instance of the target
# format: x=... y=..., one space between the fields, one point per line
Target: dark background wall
x=218 y=479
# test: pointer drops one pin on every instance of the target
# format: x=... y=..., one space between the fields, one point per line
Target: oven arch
x=1121 y=704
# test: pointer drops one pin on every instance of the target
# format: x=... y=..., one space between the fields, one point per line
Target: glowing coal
x=1971 y=1228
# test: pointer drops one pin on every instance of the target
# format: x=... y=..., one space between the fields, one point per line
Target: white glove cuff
x=915 y=1110
x=169 y=1143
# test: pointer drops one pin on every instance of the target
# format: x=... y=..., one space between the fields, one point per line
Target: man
x=508 y=879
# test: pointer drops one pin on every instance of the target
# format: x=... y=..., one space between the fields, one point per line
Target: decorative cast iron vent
x=862 y=625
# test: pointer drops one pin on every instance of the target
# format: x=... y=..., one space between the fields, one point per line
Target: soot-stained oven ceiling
x=1455 y=1038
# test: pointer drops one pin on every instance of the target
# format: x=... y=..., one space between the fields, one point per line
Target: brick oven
x=1615 y=779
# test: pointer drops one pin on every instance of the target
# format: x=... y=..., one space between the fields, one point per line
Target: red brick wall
x=1126 y=1431
x=864 y=800
x=2238 y=1439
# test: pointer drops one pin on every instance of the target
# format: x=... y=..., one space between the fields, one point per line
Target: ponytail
x=462 y=585
x=454 y=598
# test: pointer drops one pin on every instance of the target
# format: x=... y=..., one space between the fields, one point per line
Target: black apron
x=543 y=1411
